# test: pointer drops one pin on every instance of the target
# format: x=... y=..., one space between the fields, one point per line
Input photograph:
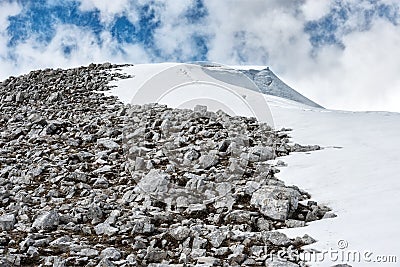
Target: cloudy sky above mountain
x=342 y=54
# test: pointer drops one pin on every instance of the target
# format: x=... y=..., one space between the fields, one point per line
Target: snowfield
x=357 y=173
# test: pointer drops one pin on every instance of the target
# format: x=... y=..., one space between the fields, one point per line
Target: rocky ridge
x=88 y=181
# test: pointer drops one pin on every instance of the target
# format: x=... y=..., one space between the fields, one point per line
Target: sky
x=341 y=54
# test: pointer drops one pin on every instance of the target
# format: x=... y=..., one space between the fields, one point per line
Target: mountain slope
x=88 y=181
x=270 y=84
x=356 y=174
x=264 y=79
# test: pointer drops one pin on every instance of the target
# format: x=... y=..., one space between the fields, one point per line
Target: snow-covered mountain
x=356 y=173
x=265 y=80
x=87 y=179
x=270 y=84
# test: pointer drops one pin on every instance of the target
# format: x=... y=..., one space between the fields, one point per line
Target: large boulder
x=155 y=182
x=49 y=220
x=261 y=153
x=7 y=222
x=275 y=202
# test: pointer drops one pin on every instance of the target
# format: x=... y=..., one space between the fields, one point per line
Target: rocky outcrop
x=88 y=181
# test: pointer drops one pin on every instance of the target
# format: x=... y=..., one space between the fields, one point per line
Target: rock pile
x=88 y=181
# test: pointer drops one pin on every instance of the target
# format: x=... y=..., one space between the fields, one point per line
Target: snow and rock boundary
x=78 y=170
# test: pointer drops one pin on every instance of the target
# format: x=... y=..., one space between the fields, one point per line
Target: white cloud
x=7 y=9
x=315 y=9
x=365 y=75
x=84 y=49
x=273 y=33
x=362 y=76
x=174 y=36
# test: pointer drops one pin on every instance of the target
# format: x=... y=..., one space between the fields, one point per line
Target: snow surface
x=360 y=180
x=356 y=174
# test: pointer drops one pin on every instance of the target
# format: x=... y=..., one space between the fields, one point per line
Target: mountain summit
x=270 y=84
x=265 y=81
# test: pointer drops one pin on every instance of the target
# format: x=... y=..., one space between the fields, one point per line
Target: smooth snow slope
x=360 y=180
x=356 y=174
x=177 y=84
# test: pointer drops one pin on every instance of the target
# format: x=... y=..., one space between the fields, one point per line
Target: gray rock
x=5 y=263
x=251 y=187
x=59 y=262
x=112 y=218
x=276 y=202
x=128 y=197
x=197 y=253
x=142 y=226
x=20 y=97
x=277 y=262
x=61 y=243
x=131 y=259
x=235 y=167
x=105 y=228
x=88 y=252
x=105 y=263
x=180 y=233
x=199 y=242
x=308 y=240
x=223 y=145
x=49 y=220
x=182 y=202
x=208 y=161
x=7 y=222
x=249 y=262
x=32 y=251
x=139 y=164
x=103 y=169
x=222 y=251
x=238 y=216
x=10 y=260
x=217 y=237
x=262 y=153
x=64 y=146
x=311 y=216
x=276 y=238
x=166 y=125
x=196 y=209
x=155 y=255
x=108 y=143
x=258 y=251
x=329 y=215
x=263 y=224
x=201 y=109
x=106 y=65
x=208 y=261
x=54 y=97
x=191 y=155
x=155 y=182
x=95 y=213
x=294 y=223
x=111 y=253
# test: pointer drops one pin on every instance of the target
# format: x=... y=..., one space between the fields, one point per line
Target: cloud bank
x=341 y=54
